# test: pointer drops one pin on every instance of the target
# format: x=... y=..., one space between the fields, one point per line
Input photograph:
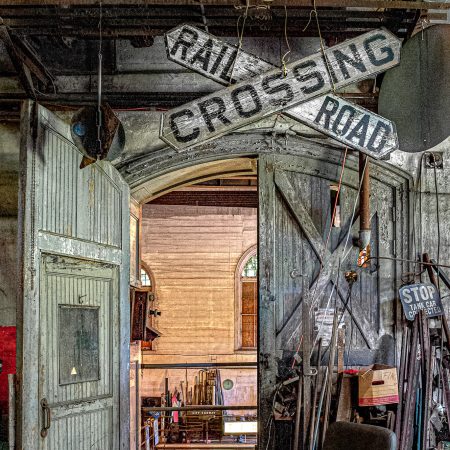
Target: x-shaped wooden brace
x=329 y=261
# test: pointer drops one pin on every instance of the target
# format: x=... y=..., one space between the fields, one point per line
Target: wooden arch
x=163 y=170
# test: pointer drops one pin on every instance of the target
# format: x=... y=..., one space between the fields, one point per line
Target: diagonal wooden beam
x=329 y=261
x=300 y=213
x=22 y=70
x=31 y=60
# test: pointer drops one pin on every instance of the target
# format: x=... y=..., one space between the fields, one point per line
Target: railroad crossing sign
x=262 y=90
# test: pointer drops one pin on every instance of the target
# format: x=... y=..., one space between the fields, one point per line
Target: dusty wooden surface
x=295 y=214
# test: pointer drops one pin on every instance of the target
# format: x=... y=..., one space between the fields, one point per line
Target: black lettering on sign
x=270 y=89
x=250 y=93
x=351 y=115
x=355 y=61
x=213 y=108
x=187 y=114
x=183 y=42
x=303 y=73
x=328 y=109
x=218 y=60
x=224 y=74
x=203 y=55
x=386 y=51
x=360 y=130
x=381 y=131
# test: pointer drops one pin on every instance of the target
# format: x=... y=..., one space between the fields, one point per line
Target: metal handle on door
x=46 y=416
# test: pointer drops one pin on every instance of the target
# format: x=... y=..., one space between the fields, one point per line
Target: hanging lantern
x=98 y=135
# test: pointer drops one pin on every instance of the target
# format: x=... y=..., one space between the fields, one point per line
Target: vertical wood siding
x=65 y=432
x=193 y=253
x=77 y=203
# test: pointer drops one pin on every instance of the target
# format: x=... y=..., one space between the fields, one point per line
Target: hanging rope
x=322 y=48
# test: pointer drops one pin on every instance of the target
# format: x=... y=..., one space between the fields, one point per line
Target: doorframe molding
x=146 y=168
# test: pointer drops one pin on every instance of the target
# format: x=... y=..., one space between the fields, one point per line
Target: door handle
x=46 y=417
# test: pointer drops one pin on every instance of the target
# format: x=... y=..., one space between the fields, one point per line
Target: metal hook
x=312 y=373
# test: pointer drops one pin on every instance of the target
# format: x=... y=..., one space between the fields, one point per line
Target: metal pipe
x=298 y=414
x=199 y=365
x=364 y=204
x=198 y=408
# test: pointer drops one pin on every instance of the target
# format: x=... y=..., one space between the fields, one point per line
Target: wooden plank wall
x=193 y=252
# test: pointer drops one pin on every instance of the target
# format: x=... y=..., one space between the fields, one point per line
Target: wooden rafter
x=25 y=63
x=395 y=4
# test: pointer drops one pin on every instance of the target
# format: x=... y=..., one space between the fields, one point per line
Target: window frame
x=143 y=266
x=150 y=290
x=243 y=260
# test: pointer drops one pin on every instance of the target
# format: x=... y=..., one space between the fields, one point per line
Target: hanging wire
x=240 y=34
x=322 y=48
x=283 y=58
x=325 y=249
x=438 y=226
x=344 y=257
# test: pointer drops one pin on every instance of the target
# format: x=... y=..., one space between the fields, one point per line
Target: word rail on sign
x=268 y=91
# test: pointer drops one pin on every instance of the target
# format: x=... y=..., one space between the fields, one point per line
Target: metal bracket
x=434 y=160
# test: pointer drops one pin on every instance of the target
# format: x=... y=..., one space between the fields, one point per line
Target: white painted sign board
x=267 y=91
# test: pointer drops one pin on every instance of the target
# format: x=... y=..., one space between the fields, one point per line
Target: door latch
x=46 y=417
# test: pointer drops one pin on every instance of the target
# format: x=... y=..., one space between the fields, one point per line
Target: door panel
x=78 y=349
x=294 y=220
x=75 y=263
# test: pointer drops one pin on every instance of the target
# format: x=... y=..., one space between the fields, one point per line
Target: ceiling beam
x=22 y=69
x=385 y=4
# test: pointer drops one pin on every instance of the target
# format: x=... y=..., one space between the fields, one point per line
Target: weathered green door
x=295 y=210
x=74 y=343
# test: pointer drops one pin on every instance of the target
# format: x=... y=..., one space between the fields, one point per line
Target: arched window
x=146 y=277
x=148 y=284
x=247 y=301
x=146 y=280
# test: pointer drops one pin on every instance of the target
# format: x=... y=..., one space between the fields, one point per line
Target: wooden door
x=295 y=210
x=74 y=339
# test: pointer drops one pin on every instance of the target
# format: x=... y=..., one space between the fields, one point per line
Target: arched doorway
x=295 y=176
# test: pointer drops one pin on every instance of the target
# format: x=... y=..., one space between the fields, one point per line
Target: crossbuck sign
x=262 y=90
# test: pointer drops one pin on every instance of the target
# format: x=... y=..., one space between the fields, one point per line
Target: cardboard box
x=377 y=385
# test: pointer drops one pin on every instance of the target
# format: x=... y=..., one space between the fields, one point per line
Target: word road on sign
x=262 y=90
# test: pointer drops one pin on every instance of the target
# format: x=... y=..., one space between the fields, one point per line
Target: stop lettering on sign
x=421 y=296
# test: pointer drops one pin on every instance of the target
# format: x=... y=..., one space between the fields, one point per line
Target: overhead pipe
x=364 y=210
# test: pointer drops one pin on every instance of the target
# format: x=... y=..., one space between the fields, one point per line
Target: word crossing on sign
x=267 y=91
x=422 y=296
x=348 y=123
